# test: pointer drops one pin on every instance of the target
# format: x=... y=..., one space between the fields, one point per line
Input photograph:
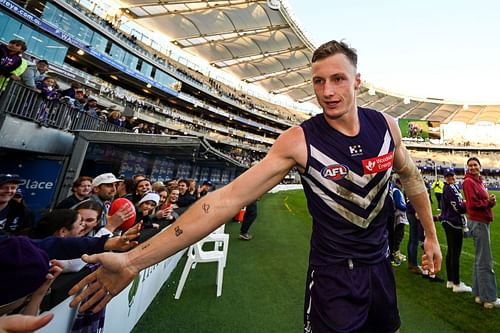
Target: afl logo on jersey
x=334 y=172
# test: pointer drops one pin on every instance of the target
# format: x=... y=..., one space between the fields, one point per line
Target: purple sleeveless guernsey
x=346 y=186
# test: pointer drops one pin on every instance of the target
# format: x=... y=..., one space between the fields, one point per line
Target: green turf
x=264 y=284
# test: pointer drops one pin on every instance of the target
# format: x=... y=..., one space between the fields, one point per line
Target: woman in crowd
x=172 y=199
x=142 y=187
x=480 y=215
x=452 y=208
x=165 y=212
x=60 y=223
x=115 y=118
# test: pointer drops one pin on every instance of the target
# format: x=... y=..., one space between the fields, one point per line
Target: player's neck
x=348 y=124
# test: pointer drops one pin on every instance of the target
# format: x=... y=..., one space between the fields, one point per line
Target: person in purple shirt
x=452 y=219
x=10 y=56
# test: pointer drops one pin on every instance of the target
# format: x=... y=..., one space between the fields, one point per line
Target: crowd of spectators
x=103 y=213
x=52 y=92
x=254 y=104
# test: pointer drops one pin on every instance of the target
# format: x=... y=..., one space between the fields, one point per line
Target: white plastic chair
x=196 y=254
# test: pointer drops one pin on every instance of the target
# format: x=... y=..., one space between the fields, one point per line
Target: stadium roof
x=247 y=38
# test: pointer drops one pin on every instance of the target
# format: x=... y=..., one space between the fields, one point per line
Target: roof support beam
x=167 y=4
x=267 y=76
x=229 y=37
x=292 y=87
x=224 y=63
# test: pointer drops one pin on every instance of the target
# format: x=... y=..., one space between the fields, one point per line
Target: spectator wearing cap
x=103 y=191
x=204 y=188
x=453 y=220
x=82 y=188
x=145 y=208
x=27 y=274
x=15 y=218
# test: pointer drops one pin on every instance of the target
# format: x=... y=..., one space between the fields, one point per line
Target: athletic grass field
x=264 y=283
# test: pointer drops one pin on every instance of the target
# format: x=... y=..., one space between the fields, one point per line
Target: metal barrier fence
x=23 y=102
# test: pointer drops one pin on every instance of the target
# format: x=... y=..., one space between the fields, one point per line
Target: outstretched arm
x=417 y=193
x=206 y=215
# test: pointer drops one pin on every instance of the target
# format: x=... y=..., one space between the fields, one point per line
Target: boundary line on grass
x=286 y=204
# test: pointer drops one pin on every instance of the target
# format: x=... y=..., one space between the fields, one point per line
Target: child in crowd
x=145 y=208
x=49 y=91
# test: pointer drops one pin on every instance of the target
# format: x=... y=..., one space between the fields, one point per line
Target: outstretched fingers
x=90 y=281
x=98 y=301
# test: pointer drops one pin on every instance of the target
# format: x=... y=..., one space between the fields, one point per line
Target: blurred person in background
x=81 y=188
x=35 y=74
x=451 y=217
x=15 y=218
x=438 y=187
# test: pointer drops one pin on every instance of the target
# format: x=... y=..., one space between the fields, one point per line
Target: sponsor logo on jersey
x=355 y=150
x=379 y=163
x=334 y=171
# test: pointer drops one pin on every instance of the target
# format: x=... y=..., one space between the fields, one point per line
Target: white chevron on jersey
x=361 y=181
x=344 y=212
x=360 y=201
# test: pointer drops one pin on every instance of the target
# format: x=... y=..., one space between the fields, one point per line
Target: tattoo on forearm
x=178 y=231
x=145 y=246
x=205 y=207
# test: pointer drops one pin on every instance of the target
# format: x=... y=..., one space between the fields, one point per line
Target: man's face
x=335 y=82
x=105 y=191
x=84 y=188
x=182 y=188
x=42 y=67
x=7 y=192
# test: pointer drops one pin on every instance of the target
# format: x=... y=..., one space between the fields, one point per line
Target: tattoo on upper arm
x=205 y=207
x=178 y=231
x=145 y=246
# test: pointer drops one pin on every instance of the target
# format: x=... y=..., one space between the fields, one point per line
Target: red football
x=119 y=203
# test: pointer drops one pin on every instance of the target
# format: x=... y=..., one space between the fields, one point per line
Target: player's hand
x=107 y=281
x=431 y=259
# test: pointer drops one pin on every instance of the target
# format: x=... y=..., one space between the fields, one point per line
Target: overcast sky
x=439 y=48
